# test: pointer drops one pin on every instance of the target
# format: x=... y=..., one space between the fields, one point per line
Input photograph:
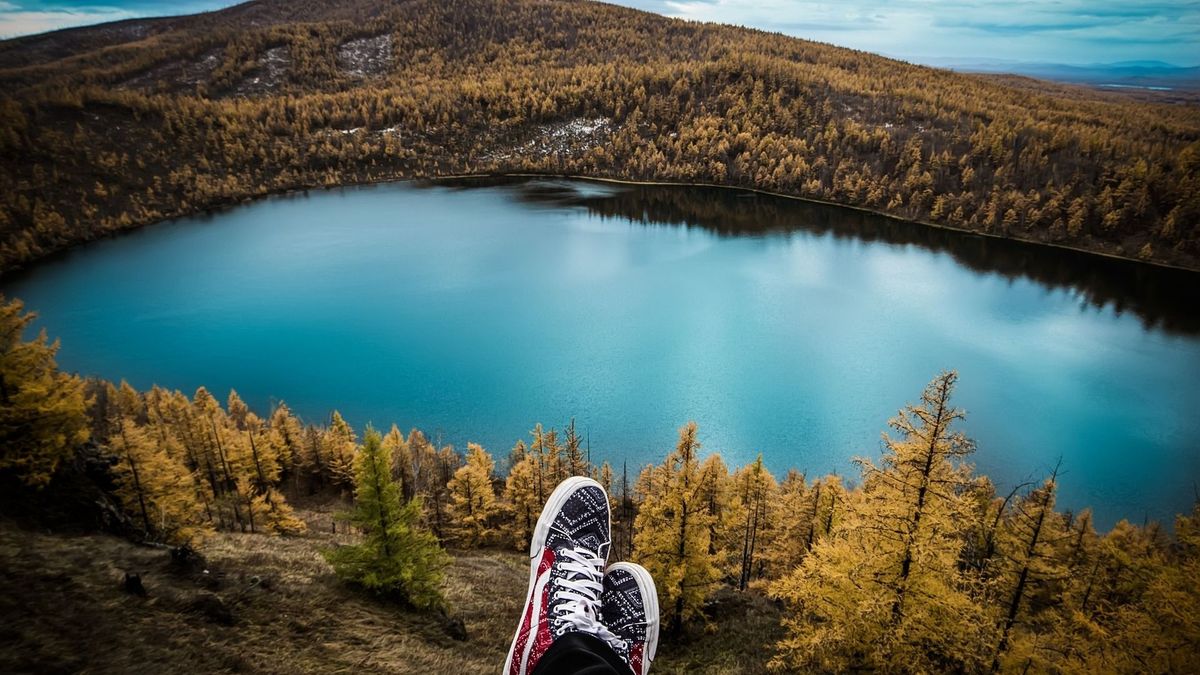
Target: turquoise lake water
x=474 y=310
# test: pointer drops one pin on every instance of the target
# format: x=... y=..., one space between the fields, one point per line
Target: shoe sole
x=649 y=593
x=540 y=532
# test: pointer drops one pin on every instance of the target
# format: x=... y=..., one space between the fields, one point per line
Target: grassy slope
x=65 y=611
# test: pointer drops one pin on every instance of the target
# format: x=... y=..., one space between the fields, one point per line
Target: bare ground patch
x=268 y=76
x=176 y=76
x=366 y=57
x=568 y=138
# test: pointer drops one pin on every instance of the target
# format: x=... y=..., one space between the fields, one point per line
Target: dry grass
x=63 y=609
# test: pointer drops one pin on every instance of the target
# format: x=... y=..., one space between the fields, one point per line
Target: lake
x=474 y=309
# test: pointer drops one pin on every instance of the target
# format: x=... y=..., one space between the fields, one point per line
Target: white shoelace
x=580 y=593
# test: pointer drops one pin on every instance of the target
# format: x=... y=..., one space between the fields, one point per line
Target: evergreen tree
x=672 y=535
x=397 y=557
x=42 y=411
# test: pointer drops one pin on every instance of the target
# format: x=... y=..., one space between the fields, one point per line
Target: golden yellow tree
x=1161 y=632
x=287 y=437
x=714 y=494
x=42 y=416
x=548 y=454
x=157 y=490
x=1028 y=546
x=574 y=462
x=672 y=532
x=884 y=590
x=337 y=449
x=520 y=493
x=402 y=465
x=788 y=534
x=473 y=498
x=210 y=428
x=750 y=511
x=267 y=506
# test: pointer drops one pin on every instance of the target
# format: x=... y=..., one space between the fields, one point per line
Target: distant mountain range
x=1142 y=74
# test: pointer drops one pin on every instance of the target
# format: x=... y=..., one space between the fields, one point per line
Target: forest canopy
x=115 y=126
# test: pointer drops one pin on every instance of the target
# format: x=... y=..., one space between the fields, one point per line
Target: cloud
x=1065 y=31
x=14 y=22
x=25 y=17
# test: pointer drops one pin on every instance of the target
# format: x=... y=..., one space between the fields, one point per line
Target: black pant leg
x=580 y=654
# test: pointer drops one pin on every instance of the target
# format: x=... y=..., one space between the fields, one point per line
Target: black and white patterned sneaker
x=566 y=561
x=629 y=609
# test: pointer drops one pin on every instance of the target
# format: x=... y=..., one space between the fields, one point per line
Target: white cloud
x=15 y=22
x=1065 y=31
x=25 y=17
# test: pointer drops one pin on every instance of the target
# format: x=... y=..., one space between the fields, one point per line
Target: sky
x=1078 y=32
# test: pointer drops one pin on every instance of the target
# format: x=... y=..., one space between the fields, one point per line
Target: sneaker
x=566 y=561
x=629 y=609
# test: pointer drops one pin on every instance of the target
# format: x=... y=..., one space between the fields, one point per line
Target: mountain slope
x=109 y=127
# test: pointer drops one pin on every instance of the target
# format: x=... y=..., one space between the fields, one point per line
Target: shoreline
x=216 y=208
x=812 y=200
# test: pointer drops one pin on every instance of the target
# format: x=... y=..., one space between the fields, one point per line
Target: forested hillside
x=915 y=564
x=110 y=127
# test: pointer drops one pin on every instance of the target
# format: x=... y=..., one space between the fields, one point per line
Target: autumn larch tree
x=154 y=487
x=753 y=490
x=1029 y=545
x=268 y=506
x=337 y=449
x=672 y=532
x=787 y=535
x=547 y=452
x=287 y=436
x=520 y=493
x=1160 y=633
x=884 y=589
x=575 y=463
x=42 y=411
x=402 y=465
x=473 y=498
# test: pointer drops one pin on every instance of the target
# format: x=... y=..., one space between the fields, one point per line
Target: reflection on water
x=1162 y=298
x=781 y=327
